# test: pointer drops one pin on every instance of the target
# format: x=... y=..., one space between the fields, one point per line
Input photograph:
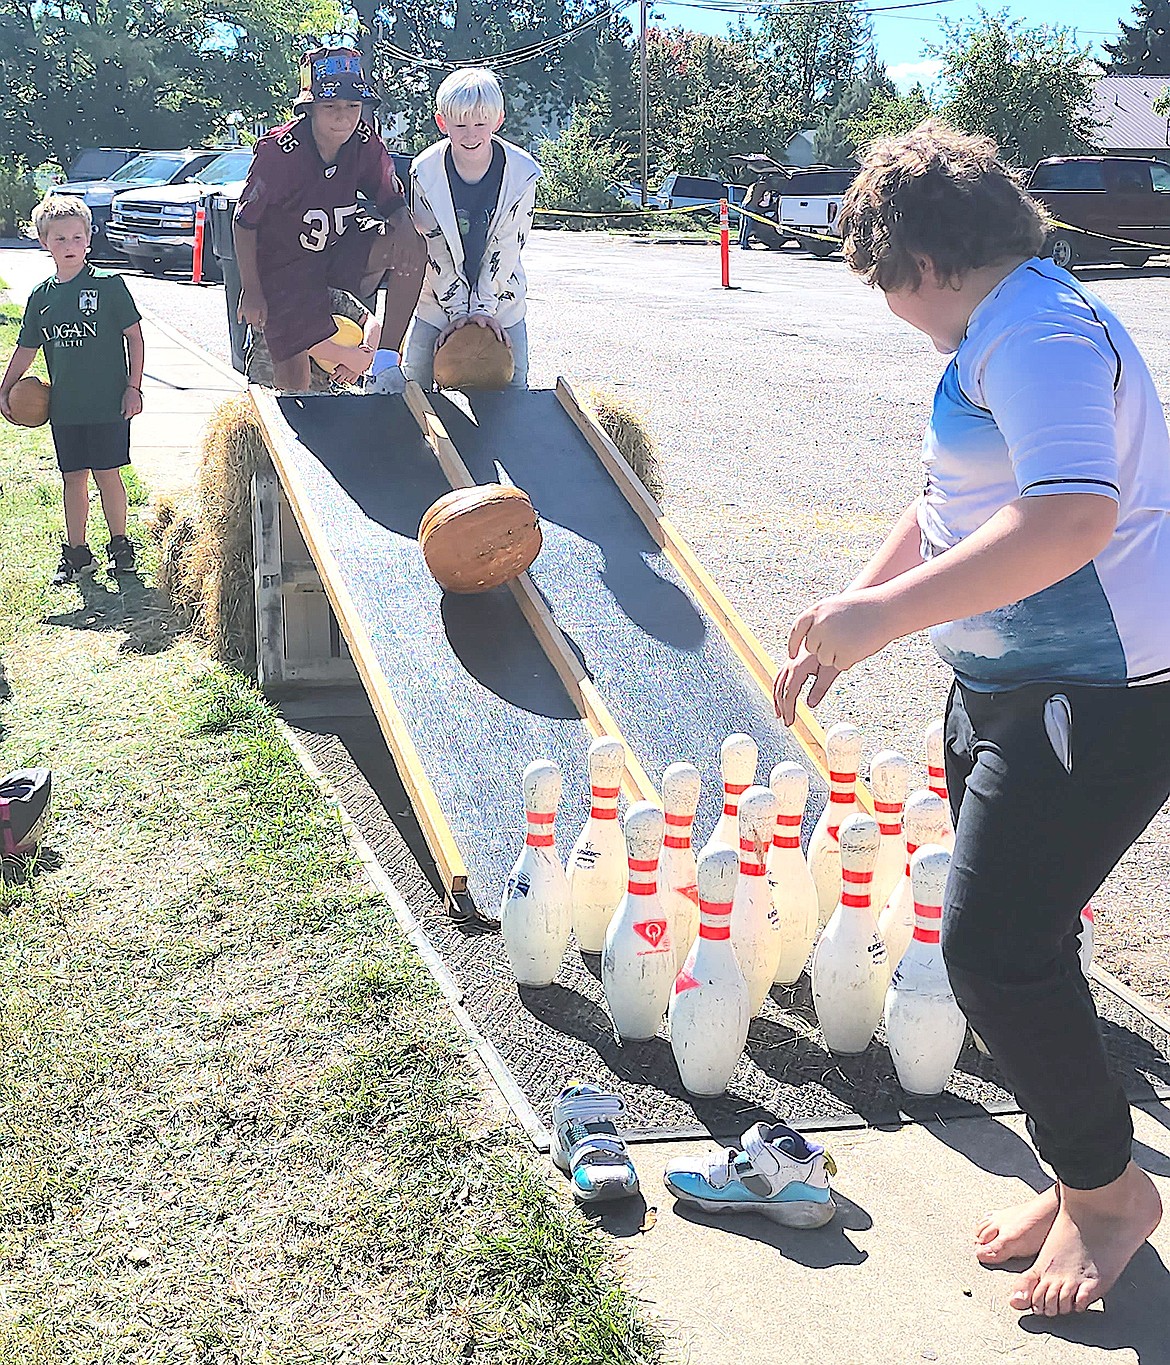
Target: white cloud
x=906 y=75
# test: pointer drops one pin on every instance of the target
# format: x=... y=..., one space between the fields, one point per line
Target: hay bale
x=206 y=567
x=162 y=516
x=626 y=426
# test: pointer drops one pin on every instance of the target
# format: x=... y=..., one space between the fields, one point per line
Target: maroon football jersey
x=298 y=205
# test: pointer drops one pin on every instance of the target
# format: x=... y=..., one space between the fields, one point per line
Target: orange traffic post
x=725 y=243
x=197 y=253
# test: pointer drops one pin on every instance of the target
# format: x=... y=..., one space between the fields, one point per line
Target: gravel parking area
x=789 y=412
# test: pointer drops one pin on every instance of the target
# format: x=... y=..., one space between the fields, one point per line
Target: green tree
x=136 y=72
x=579 y=168
x=835 y=144
x=1028 y=88
x=614 y=102
x=815 y=51
x=1143 y=49
x=888 y=115
x=712 y=97
x=415 y=43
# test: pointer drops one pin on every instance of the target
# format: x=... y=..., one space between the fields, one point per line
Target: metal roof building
x=1123 y=107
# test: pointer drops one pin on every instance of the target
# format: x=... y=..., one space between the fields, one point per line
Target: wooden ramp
x=613 y=631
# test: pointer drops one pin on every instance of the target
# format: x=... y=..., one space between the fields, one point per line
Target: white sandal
x=587 y=1146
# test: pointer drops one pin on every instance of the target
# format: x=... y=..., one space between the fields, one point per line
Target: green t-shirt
x=80 y=325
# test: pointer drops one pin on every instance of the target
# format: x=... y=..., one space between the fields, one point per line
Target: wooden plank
x=563 y=657
x=807 y=729
x=267 y=590
x=431 y=819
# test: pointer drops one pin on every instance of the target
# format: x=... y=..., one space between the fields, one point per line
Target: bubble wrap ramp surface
x=673 y=683
x=476 y=692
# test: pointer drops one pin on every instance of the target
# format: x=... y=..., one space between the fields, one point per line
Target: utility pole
x=642 y=97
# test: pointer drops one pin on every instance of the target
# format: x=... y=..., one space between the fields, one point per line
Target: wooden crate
x=298 y=640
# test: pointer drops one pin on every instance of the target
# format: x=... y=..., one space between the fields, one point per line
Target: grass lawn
x=237 y=1123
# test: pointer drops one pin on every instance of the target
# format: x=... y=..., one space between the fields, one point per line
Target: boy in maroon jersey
x=299 y=230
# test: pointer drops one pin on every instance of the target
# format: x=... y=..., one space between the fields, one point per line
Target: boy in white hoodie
x=473 y=197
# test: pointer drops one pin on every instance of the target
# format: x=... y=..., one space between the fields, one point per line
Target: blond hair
x=471 y=90
x=937 y=194
x=54 y=207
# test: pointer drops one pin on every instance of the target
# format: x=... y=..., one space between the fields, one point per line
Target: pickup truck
x=1119 y=198
x=155 y=228
x=811 y=204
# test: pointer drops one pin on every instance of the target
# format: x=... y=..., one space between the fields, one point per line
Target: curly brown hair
x=939 y=194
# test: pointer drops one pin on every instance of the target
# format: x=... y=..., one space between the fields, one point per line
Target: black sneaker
x=74 y=559
x=120 y=553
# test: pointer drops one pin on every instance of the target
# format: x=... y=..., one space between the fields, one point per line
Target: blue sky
x=901 y=36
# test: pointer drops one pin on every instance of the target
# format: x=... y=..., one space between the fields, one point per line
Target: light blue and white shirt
x=1048 y=394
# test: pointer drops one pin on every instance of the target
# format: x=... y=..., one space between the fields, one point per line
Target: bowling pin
x=597 y=865
x=842 y=755
x=849 y=973
x=637 y=964
x=709 y=1009
x=925 y=1028
x=936 y=773
x=738 y=756
x=794 y=894
x=755 y=927
x=889 y=780
x=535 y=916
x=925 y=820
x=677 y=889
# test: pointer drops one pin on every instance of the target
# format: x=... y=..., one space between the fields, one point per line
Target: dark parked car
x=1120 y=199
x=99 y=163
x=148 y=168
x=155 y=228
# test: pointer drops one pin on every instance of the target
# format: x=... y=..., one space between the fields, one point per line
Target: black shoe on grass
x=120 y=553
x=74 y=559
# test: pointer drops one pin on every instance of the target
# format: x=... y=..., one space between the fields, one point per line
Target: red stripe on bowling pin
x=754 y=868
x=858 y=900
x=682 y=823
x=731 y=789
x=889 y=808
x=639 y=886
x=604 y=803
x=842 y=787
x=911 y=850
x=927 y=922
x=537 y=837
x=786 y=822
x=715 y=919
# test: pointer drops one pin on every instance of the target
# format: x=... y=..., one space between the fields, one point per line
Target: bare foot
x=1093 y=1238
x=1017 y=1231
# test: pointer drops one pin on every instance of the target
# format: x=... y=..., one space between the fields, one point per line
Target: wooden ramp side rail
x=742 y=639
x=431 y=819
x=563 y=657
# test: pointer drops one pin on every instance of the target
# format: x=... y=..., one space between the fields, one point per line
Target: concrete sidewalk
x=181 y=386
x=892 y=1279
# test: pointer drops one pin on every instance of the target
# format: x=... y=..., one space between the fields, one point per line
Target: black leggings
x=1033 y=842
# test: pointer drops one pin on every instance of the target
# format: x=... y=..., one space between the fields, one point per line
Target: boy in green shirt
x=88 y=324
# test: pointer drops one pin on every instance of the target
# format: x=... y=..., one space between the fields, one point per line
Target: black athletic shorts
x=91 y=445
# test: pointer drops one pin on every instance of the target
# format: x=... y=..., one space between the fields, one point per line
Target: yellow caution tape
x=647 y=212
x=1104 y=237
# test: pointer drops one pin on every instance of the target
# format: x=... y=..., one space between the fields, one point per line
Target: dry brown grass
x=206 y=567
x=627 y=427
